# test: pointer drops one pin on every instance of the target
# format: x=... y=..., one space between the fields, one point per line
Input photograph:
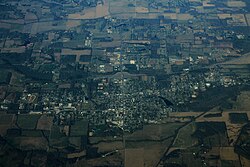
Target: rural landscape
x=125 y=83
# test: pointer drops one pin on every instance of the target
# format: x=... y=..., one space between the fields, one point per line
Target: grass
x=45 y=122
x=238 y=118
x=27 y=121
x=184 y=138
x=80 y=128
x=6 y=119
x=5 y=77
x=155 y=132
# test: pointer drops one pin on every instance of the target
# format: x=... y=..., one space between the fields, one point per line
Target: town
x=77 y=76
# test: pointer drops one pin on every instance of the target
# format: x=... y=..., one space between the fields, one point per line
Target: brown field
x=152 y=141
x=6 y=121
x=234 y=3
x=92 y=13
x=184 y=17
x=94 y=140
x=240 y=18
x=227 y=153
x=242 y=105
x=184 y=114
x=154 y=151
x=48 y=26
x=16 y=78
x=86 y=14
x=184 y=138
x=243 y=102
x=78 y=53
x=211 y=119
x=38 y=160
x=233 y=130
x=26 y=28
x=141 y=10
x=30 y=17
x=147 y=15
x=20 y=49
x=113 y=160
x=176 y=119
x=72 y=23
x=32 y=143
x=44 y=123
x=224 y=16
x=154 y=132
x=13 y=21
x=5 y=25
x=109 y=146
x=172 y=16
x=117 y=6
x=244 y=162
x=134 y=157
x=125 y=15
x=102 y=10
x=129 y=15
x=16 y=27
x=115 y=43
x=244 y=59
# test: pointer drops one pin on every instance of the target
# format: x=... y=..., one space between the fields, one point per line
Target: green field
x=27 y=121
x=184 y=138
